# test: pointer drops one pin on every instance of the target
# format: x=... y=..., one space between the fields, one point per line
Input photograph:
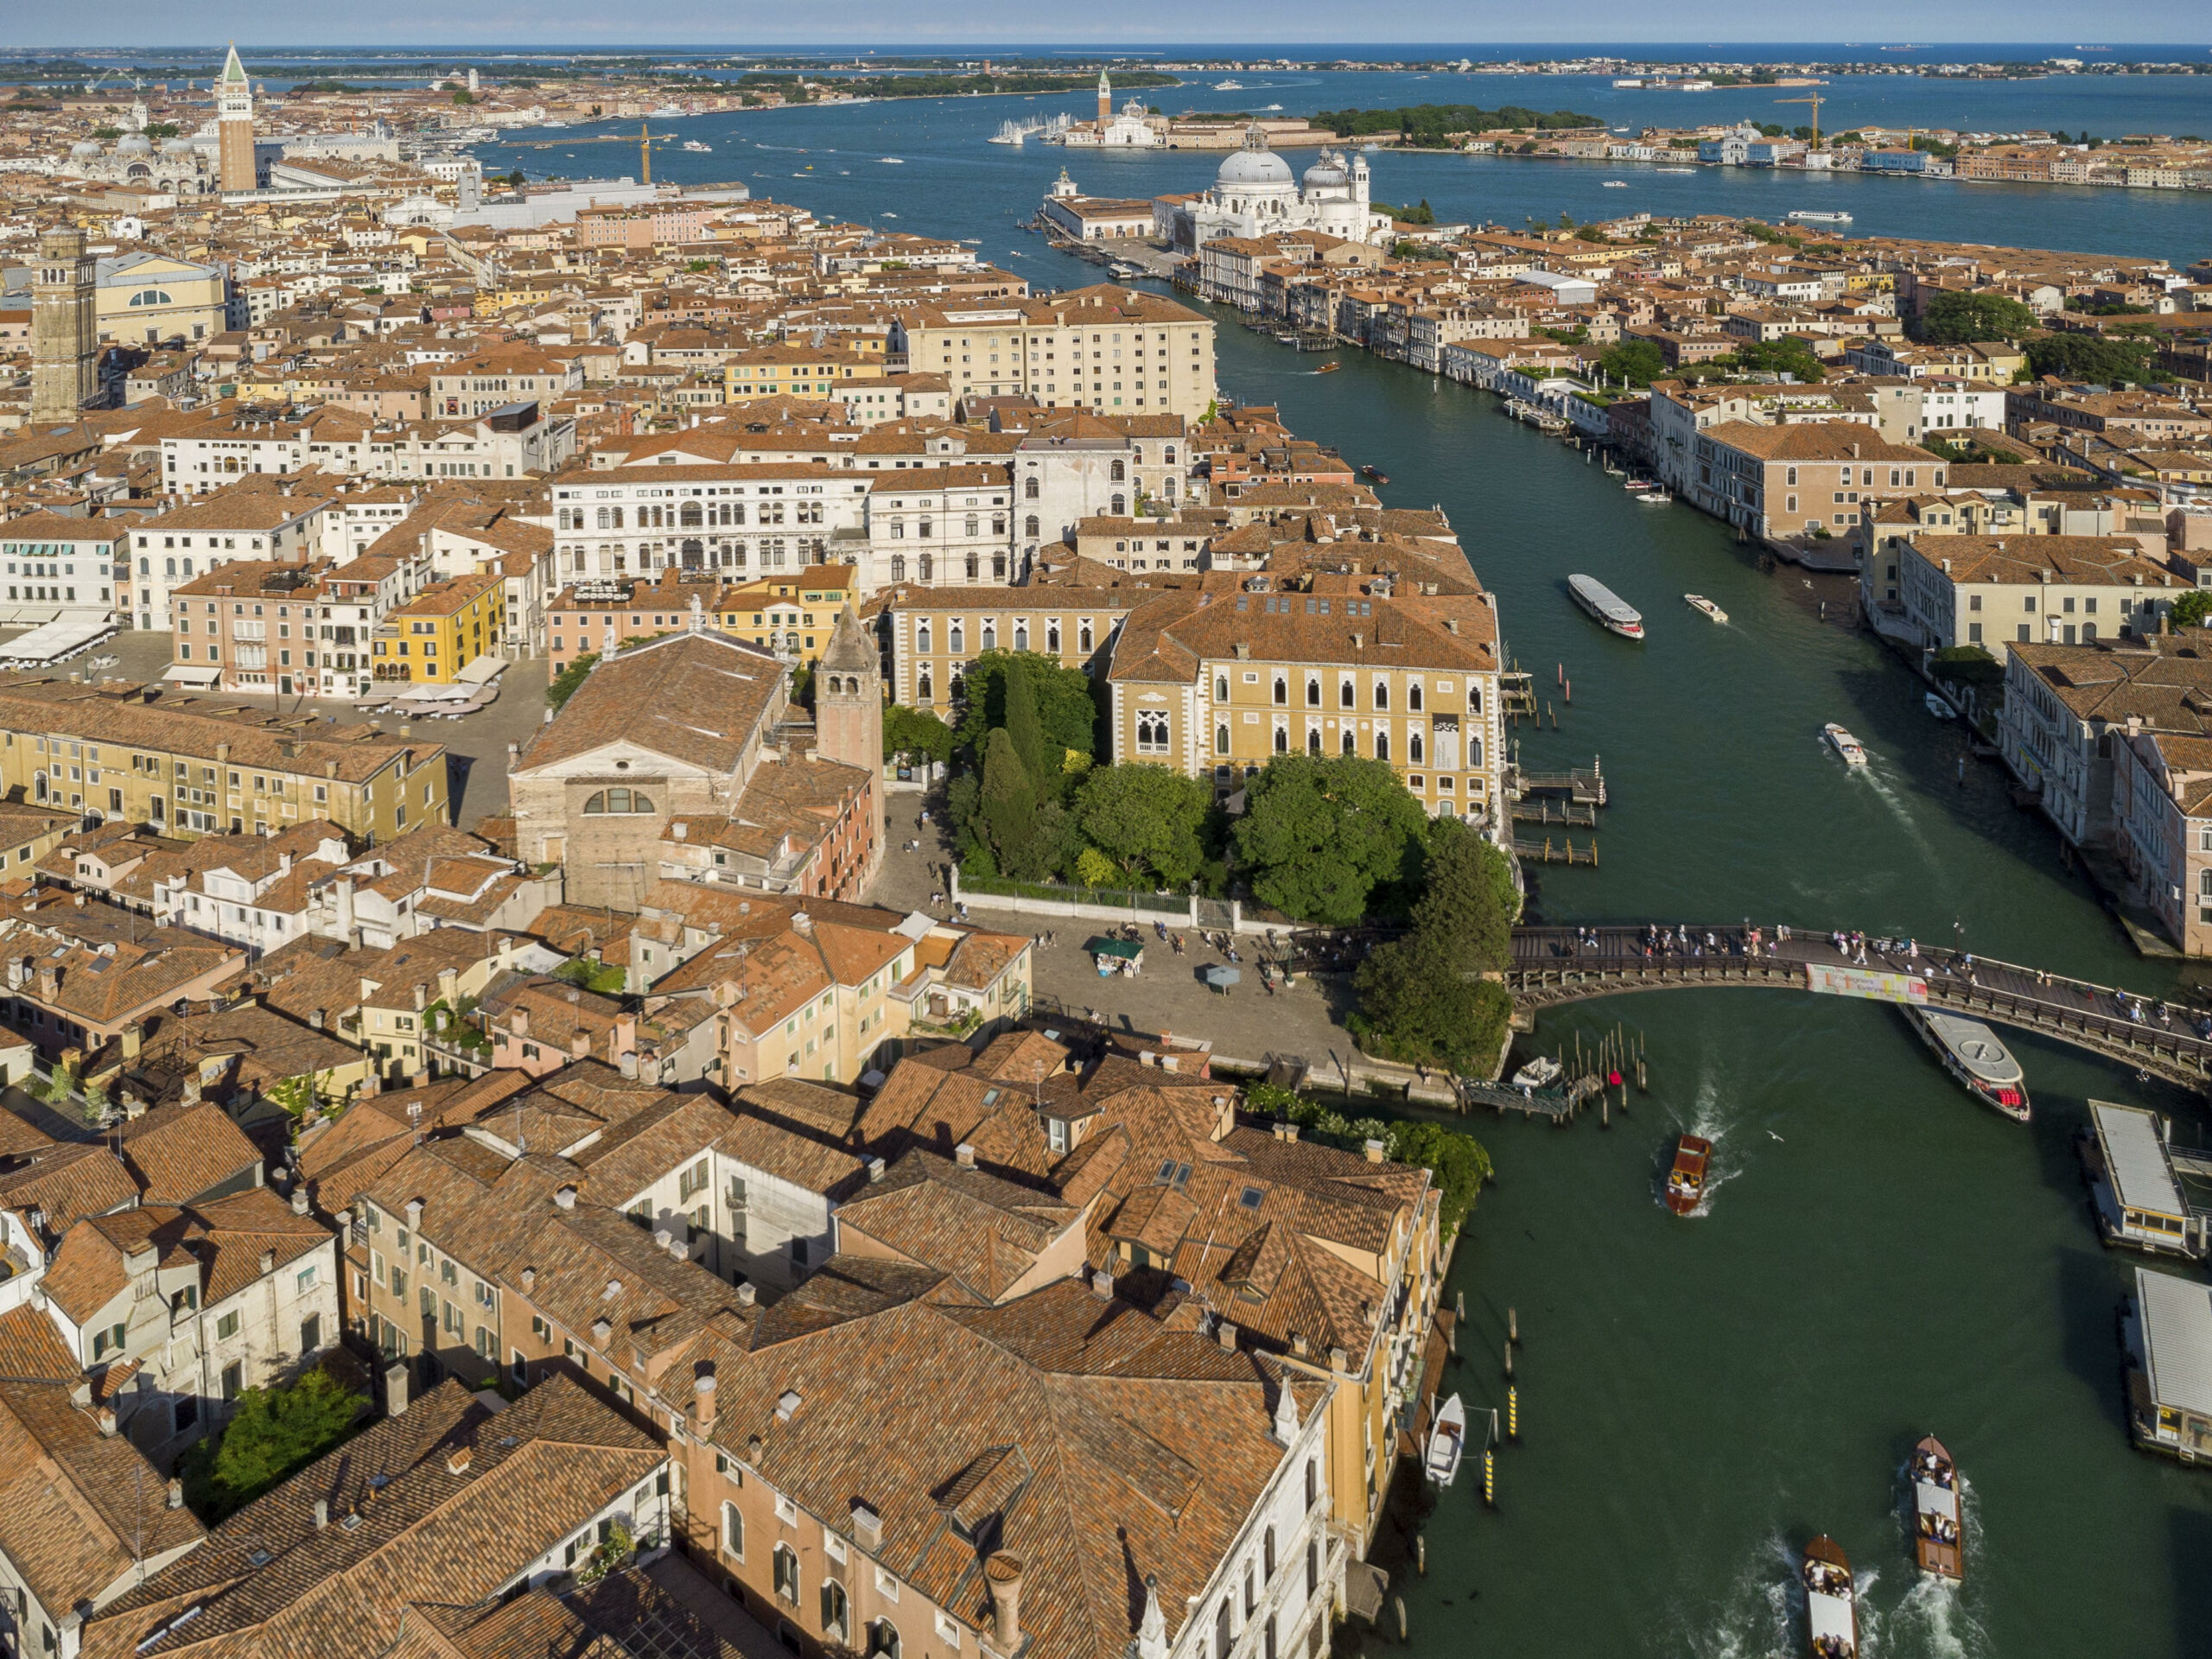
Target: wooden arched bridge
x=1554 y=965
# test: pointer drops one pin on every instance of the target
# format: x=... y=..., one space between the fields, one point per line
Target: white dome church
x=1255 y=195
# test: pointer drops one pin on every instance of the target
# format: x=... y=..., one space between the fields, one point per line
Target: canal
x=1882 y=1258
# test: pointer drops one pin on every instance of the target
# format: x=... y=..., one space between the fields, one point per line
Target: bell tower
x=235 y=167
x=848 y=713
x=1105 y=99
x=64 y=343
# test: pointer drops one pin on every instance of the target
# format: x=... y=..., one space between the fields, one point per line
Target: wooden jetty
x=1543 y=810
x=1564 y=851
x=1583 y=786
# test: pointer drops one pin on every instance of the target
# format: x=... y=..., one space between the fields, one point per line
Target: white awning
x=63 y=637
x=483 y=671
x=193 y=673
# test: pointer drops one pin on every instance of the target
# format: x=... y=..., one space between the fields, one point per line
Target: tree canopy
x=273 y=1433
x=1432 y=126
x=2193 y=608
x=1320 y=835
x=1066 y=715
x=1146 y=820
x=915 y=731
x=1636 y=361
x=1958 y=318
x=2102 y=358
x=1422 y=997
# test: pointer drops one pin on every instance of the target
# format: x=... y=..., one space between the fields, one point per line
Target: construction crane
x=1815 y=100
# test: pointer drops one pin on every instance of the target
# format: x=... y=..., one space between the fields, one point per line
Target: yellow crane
x=645 y=151
x=1815 y=100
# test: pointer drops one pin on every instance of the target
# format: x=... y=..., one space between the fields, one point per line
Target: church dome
x=1253 y=169
x=176 y=146
x=1328 y=173
x=134 y=143
x=84 y=150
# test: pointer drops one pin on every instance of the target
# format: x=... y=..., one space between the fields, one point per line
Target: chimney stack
x=1002 y=1578
x=323 y=1512
x=703 y=1397
x=177 y=1494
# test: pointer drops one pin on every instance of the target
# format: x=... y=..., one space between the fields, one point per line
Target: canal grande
x=1882 y=1259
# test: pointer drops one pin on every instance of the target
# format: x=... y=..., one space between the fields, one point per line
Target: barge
x=2133 y=1184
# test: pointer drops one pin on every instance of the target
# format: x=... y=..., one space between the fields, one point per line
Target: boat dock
x=1571 y=814
x=1558 y=1105
x=1564 y=851
x=1585 y=786
x=2140 y=1184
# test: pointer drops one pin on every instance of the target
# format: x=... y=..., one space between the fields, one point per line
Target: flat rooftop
x=2135 y=1155
x=2177 y=1339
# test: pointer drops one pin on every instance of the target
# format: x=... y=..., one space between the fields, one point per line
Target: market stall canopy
x=1126 y=950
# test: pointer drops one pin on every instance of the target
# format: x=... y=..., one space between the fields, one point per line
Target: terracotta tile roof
x=69 y=1182
x=31 y=1347
x=696 y=698
x=179 y=1152
x=270 y=1581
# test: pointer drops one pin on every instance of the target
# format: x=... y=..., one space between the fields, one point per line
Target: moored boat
x=1540 y=1073
x=1377 y=474
x=1654 y=497
x=1611 y=612
x=1447 y=1442
x=1939 y=706
x=1854 y=752
x=1973 y=1054
x=1831 y=1601
x=1686 y=1180
x=1700 y=603
x=1938 y=1523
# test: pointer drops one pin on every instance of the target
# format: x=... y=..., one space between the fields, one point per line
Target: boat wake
x=1932 y=1620
x=1900 y=809
x=1708 y=1121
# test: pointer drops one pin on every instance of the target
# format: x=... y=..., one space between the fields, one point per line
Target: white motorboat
x=1700 y=603
x=1940 y=706
x=1853 y=751
x=1447 y=1442
x=696 y=147
x=1611 y=612
x=892 y=161
x=1673 y=169
x=1229 y=85
x=1540 y=1073
x=1616 y=184
x=1654 y=497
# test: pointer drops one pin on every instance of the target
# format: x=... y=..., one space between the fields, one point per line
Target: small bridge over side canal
x=1556 y=965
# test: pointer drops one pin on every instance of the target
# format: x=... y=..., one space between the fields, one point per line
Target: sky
x=887 y=23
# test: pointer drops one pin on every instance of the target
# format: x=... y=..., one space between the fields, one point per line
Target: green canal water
x=1881 y=1258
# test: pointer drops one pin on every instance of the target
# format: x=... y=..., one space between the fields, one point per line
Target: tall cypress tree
x=1022 y=726
x=1008 y=802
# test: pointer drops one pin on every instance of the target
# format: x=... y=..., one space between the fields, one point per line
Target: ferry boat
x=1124 y=270
x=1700 y=603
x=1229 y=85
x=1654 y=496
x=1939 y=706
x=1808 y=216
x=1611 y=612
x=1686 y=1180
x=1971 y=1053
x=1831 y=1601
x=1447 y=1442
x=1673 y=169
x=1854 y=752
x=1938 y=1526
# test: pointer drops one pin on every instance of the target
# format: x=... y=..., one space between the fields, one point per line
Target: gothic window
x=990 y=633
x=1083 y=636
x=1382 y=746
x=1312 y=693
x=1283 y=739
x=1053 y=638
x=1412 y=696
x=1221 y=687
x=1382 y=693
x=1152 y=732
x=1221 y=739
x=1282 y=692
x=1347 y=745
x=1313 y=741
x=922 y=628
x=1343 y=694
x=1413 y=749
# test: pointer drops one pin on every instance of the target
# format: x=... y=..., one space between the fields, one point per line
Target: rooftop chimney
x=867 y=1526
x=177 y=1494
x=1101 y=1286
x=323 y=1512
x=1002 y=1578
x=746 y=1295
x=703 y=1397
x=964 y=1155
x=565 y=1197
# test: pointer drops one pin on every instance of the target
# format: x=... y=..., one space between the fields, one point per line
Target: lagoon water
x=1882 y=1258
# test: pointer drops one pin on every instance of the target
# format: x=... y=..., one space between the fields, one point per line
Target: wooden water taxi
x=1686 y=1180
x=1973 y=1054
x=1831 y=1601
x=1612 y=614
x=1938 y=1524
x=1700 y=603
x=1447 y=1442
x=1854 y=752
x=1328 y=368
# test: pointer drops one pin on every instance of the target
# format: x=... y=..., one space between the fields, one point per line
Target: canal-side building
x=2162 y=805
x=1216 y=683
x=1996 y=591
x=1113 y=350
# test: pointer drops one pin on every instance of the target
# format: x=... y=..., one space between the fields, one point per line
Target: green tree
x=1094 y=870
x=566 y=682
x=1065 y=710
x=2193 y=608
x=1469 y=901
x=1146 y=819
x=1007 y=804
x=915 y=731
x=2090 y=356
x=273 y=1433
x=1022 y=727
x=1458 y=1161
x=1319 y=836
x=1417 y=1006
x=1958 y=318
x=1639 y=362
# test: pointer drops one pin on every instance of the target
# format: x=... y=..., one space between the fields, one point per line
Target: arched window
x=616 y=801
x=990 y=632
x=1167 y=456
x=1116 y=472
x=733 y=1533
x=691 y=516
x=1152 y=732
x=1382 y=746
x=1474 y=699
x=1021 y=635
x=1282 y=692
x=160 y=296
x=1313 y=1553
x=1412 y=696
x=1283 y=739
x=1221 y=740
x=1268 y=1554
x=1313 y=694
x=883 y=1638
x=1224 y=1634
x=1343 y=694
x=1413 y=749
x=1029 y=527
x=925 y=528
x=927 y=565
x=959 y=633
x=1121 y=507
x=899 y=574
x=1312 y=741
x=923 y=691
x=836 y=1612
x=1347 y=744
x=787 y=1573
x=1313 y=1489
x=972 y=566
x=1221 y=687
x=1475 y=753
x=1382 y=693
x=921 y=632
x=974 y=525
x=605 y=521
x=1053 y=638
x=1267 y=1640
x=1029 y=492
